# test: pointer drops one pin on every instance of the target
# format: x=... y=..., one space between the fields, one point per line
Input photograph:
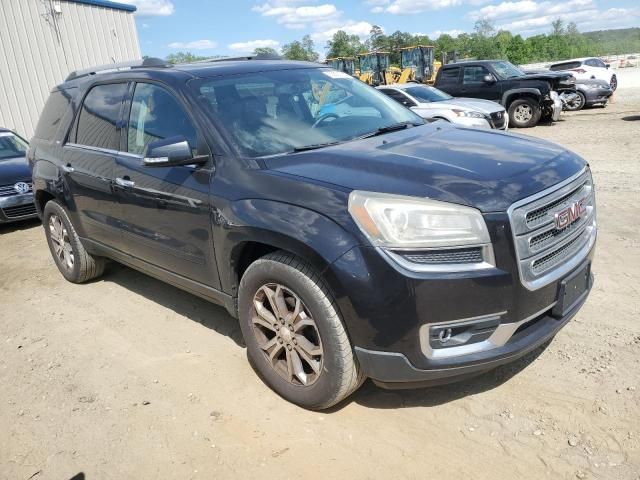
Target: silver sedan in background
x=433 y=104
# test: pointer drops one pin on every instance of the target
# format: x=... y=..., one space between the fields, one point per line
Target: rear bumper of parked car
x=391 y=315
x=17 y=207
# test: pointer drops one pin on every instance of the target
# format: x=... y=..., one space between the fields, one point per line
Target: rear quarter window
x=58 y=104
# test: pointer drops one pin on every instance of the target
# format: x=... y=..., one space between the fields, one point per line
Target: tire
x=71 y=258
x=578 y=104
x=329 y=370
x=517 y=113
x=613 y=83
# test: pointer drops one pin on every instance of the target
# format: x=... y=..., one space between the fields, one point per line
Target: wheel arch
x=514 y=94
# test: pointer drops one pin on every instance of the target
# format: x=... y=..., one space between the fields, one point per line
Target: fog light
x=465 y=332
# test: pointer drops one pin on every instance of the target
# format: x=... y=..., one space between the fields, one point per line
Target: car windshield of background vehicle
x=506 y=70
x=11 y=146
x=427 y=94
x=270 y=113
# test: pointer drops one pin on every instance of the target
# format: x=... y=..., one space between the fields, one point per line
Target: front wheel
x=524 y=113
x=613 y=83
x=294 y=333
x=577 y=103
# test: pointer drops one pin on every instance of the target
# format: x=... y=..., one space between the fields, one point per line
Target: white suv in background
x=588 y=69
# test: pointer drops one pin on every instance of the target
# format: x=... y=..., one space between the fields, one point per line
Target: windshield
x=12 y=146
x=427 y=94
x=506 y=70
x=269 y=113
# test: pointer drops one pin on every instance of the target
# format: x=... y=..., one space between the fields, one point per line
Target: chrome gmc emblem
x=566 y=217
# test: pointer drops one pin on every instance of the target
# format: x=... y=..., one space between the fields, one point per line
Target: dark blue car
x=16 y=194
x=349 y=238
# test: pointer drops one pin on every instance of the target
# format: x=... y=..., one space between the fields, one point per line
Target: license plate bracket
x=572 y=289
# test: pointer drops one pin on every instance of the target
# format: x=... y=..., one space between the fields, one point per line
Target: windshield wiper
x=314 y=146
x=390 y=128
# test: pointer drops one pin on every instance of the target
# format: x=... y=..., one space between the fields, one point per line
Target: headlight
x=593 y=86
x=393 y=221
x=468 y=113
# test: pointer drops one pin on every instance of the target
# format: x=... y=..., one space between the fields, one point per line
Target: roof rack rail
x=149 y=62
x=246 y=57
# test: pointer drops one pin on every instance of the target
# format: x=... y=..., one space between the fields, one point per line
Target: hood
x=13 y=170
x=480 y=168
x=484 y=106
x=557 y=79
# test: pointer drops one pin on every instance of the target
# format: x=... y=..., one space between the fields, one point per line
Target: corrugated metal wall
x=39 y=47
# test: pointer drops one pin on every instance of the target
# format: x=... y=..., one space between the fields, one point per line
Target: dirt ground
x=127 y=377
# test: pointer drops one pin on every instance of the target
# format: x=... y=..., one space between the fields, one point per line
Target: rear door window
x=156 y=115
x=98 y=122
x=449 y=76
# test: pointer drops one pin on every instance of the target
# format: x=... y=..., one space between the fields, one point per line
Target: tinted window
x=274 y=112
x=56 y=106
x=600 y=63
x=428 y=94
x=156 y=115
x=11 y=146
x=564 y=66
x=506 y=70
x=98 y=120
x=449 y=75
x=474 y=75
x=398 y=97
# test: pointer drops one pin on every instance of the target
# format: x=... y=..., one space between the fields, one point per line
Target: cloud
x=297 y=17
x=407 y=7
x=194 y=45
x=251 y=45
x=361 y=29
x=453 y=33
x=152 y=8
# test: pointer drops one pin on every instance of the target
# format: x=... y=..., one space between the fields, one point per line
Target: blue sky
x=208 y=27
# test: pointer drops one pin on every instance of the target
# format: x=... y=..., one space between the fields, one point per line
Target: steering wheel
x=323 y=118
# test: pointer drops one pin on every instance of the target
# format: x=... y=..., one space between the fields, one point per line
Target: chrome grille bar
x=544 y=251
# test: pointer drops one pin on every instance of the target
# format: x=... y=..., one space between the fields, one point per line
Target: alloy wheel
x=523 y=113
x=61 y=242
x=614 y=83
x=287 y=334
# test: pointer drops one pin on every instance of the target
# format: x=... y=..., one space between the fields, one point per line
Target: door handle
x=125 y=183
x=68 y=168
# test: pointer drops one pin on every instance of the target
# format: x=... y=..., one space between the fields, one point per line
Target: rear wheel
x=524 y=113
x=70 y=256
x=294 y=334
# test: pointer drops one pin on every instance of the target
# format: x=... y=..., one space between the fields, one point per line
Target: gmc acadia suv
x=349 y=238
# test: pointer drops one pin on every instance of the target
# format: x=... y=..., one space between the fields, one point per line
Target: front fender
x=506 y=96
x=303 y=232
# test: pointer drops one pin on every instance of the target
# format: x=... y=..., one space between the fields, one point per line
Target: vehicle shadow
x=18 y=226
x=631 y=118
x=183 y=303
x=372 y=396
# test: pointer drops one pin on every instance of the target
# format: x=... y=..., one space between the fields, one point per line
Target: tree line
x=563 y=41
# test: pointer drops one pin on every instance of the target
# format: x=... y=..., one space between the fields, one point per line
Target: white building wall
x=40 y=46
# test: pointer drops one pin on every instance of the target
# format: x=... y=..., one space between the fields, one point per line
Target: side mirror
x=170 y=152
x=488 y=78
x=607 y=65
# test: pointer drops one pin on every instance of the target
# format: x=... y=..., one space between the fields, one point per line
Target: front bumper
x=556 y=109
x=595 y=96
x=387 y=310
x=17 y=207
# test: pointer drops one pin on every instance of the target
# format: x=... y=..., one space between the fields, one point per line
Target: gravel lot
x=127 y=377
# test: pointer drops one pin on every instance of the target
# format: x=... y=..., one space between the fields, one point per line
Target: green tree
x=184 y=57
x=265 y=51
x=518 y=51
x=300 y=50
x=344 y=45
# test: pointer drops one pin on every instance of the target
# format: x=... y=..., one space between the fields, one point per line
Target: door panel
x=473 y=84
x=165 y=215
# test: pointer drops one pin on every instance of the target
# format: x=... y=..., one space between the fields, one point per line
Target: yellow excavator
x=375 y=69
x=417 y=64
x=344 y=64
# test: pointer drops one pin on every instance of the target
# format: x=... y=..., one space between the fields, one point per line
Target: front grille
x=546 y=252
x=20 y=210
x=9 y=190
x=448 y=256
